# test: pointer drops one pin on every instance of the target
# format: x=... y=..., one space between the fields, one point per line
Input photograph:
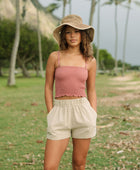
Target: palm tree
x=64 y=7
x=125 y=36
x=11 y=78
x=125 y=31
x=92 y=10
x=98 y=35
x=39 y=45
x=54 y=6
x=116 y=2
x=116 y=38
x=70 y=6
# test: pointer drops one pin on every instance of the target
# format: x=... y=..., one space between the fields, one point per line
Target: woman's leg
x=80 y=150
x=53 y=153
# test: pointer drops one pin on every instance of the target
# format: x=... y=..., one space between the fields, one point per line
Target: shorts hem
x=86 y=137
x=58 y=138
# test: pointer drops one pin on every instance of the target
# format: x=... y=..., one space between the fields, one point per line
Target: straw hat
x=76 y=22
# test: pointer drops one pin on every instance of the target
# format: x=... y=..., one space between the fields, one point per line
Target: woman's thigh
x=54 y=151
x=80 y=150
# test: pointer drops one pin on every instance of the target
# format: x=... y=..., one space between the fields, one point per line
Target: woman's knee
x=79 y=162
x=50 y=167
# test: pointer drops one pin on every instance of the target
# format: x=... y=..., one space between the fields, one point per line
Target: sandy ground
x=129 y=91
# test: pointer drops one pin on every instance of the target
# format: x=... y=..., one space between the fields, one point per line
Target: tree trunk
x=1 y=73
x=116 y=40
x=92 y=10
x=125 y=37
x=70 y=6
x=39 y=46
x=36 y=68
x=24 y=70
x=11 y=78
x=98 y=35
x=64 y=7
x=37 y=71
x=21 y=64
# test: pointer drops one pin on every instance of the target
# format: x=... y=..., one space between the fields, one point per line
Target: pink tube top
x=70 y=81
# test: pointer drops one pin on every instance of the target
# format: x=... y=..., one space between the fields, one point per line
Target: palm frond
x=125 y=6
x=53 y=6
x=118 y=2
x=137 y=3
x=107 y=3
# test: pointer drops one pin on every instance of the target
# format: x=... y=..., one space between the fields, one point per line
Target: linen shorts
x=71 y=118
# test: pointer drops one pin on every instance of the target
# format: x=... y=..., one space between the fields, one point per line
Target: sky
x=107 y=26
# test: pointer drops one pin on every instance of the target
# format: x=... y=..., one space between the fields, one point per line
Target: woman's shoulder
x=52 y=59
x=91 y=62
x=54 y=54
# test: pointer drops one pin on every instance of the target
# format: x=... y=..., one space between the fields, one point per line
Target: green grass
x=23 y=128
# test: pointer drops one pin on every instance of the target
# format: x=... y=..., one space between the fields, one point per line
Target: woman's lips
x=73 y=40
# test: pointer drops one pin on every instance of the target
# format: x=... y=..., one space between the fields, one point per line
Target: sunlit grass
x=23 y=128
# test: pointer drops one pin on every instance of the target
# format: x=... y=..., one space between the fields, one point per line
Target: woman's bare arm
x=49 y=82
x=91 y=91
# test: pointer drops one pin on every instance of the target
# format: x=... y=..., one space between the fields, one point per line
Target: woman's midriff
x=67 y=97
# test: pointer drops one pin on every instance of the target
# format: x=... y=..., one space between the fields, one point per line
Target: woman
x=72 y=114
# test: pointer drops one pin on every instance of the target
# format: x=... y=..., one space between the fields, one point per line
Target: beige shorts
x=71 y=118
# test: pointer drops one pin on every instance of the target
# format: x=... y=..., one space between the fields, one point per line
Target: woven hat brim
x=89 y=29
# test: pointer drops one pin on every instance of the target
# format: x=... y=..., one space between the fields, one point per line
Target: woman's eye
x=77 y=31
x=67 y=32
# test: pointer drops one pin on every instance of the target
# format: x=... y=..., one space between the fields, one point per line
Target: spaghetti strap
x=85 y=64
x=58 y=58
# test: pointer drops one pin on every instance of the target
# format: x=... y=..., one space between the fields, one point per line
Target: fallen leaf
x=113 y=117
x=124 y=119
x=127 y=106
x=121 y=151
x=15 y=163
x=104 y=126
x=68 y=149
x=43 y=111
x=27 y=156
x=123 y=133
x=123 y=157
x=7 y=104
x=34 y=104
x=39 y=141
x=25 y=163
x=132 y=118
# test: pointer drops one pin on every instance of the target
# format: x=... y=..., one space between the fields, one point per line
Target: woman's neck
x=74 y=50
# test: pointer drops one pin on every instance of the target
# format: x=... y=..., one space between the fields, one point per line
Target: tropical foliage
x=29 y=52
x=28 y=47
x=106 y=61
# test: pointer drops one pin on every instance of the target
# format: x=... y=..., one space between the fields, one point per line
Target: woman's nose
x=72 y=33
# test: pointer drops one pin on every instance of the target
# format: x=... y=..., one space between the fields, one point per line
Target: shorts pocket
x=93 y=111
x=50 y=112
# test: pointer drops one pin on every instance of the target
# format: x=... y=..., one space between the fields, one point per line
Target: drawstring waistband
x=70 y=101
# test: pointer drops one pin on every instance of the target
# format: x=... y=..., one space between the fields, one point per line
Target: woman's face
x=73 y=36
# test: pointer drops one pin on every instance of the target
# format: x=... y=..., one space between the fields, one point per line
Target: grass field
x=23 y=125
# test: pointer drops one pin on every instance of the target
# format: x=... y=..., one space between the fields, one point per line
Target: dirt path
x=128 y=90
x=121 y=79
